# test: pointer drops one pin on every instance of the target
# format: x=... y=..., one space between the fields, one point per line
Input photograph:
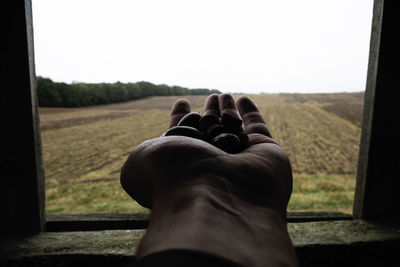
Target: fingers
x=211 y=106
x=227 y=106
x=180 y=108
x=224 y=105
x=230 y=117
x=222 y=119
x=253 y=121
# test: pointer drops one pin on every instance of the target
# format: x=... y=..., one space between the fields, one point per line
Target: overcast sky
x=232 y=45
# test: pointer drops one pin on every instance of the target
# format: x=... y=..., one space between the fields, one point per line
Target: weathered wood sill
x=140 y=220
x=323 y=243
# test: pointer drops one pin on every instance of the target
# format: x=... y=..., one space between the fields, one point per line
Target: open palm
x=261 y=174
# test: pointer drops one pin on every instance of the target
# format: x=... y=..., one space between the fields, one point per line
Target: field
x=84 y=148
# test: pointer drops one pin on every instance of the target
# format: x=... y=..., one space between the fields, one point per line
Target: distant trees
x=59 y=94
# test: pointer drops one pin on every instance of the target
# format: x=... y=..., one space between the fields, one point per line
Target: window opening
x=318 y=125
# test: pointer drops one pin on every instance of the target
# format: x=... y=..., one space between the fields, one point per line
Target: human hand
x=260 y=175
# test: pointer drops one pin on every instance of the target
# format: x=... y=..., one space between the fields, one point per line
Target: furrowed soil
x=84 y=148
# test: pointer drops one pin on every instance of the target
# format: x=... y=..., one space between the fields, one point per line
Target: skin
x=204 y=199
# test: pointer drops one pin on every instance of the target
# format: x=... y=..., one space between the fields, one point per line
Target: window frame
x=23 y=174
x=376 y=194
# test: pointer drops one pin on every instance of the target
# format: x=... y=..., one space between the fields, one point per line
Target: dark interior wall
x=21 y=170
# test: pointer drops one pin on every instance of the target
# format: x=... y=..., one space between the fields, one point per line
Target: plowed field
x=84 y=148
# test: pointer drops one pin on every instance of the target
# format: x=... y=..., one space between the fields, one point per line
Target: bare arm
x=204 y=199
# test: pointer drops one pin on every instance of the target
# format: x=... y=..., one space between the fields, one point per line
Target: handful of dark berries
x=225 y=133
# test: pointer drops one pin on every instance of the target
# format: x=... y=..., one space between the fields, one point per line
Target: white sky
x=232 y=45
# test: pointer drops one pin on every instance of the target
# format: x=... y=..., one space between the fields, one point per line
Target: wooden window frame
x=21 y=167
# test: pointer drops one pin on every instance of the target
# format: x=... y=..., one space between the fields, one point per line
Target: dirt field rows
x=84 y=148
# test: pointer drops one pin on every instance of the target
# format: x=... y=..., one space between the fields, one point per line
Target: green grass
x=90 y=197
x=322 y=192
x=317 y=192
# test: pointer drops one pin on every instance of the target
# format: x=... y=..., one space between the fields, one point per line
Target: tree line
x=60 y=94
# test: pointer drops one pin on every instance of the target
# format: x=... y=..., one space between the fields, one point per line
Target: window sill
x=95 y=222
x=324 y=242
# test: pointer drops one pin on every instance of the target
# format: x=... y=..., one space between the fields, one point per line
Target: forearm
x=202 y=218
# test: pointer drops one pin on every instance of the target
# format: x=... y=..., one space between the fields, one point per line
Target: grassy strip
x=92 y=197
x=310 y=192
x=323 y=192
